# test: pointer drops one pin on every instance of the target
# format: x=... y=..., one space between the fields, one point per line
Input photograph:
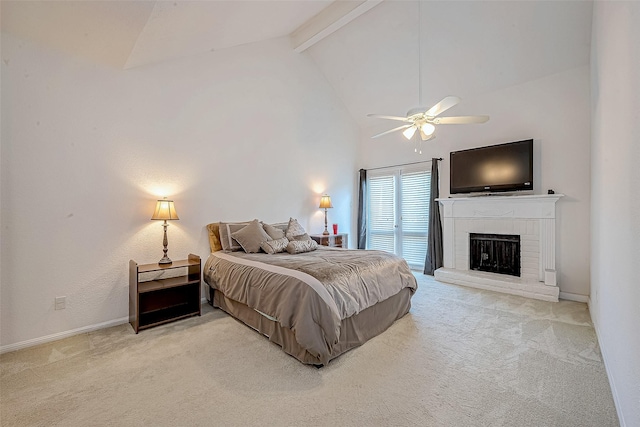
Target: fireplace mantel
x=530 y=216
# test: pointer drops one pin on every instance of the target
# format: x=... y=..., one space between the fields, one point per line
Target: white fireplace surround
x=532 y=217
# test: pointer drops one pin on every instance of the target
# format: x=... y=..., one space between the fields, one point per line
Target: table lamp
x=325 y=203
x=165 y=210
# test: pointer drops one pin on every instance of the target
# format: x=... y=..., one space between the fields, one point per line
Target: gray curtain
x=434 y=248
x=362 y=210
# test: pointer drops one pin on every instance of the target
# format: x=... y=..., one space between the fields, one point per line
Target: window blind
x=382 y=217
x=398 y=216
x=416 y=187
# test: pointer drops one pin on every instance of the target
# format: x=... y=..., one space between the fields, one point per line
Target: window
x=398 y=212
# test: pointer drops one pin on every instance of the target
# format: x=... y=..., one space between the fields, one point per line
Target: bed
x=317 y=304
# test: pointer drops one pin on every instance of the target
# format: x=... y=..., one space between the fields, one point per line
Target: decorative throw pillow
x=251 y=236
x=226 y=229
x=273 y=232
x=214 y=236
x=302 y=238
x=294 y=229
x=275 y=246
x=281 y=225
x=300 y=246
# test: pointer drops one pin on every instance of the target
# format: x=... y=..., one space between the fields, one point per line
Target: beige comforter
x=310 y=293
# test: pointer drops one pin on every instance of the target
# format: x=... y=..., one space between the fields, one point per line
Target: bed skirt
x=354 y=330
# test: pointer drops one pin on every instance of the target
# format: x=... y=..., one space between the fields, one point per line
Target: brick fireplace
x=528 y=219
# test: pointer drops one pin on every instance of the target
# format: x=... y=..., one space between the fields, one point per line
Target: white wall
x=615 y=225
x=554 y=111
x=249 y=132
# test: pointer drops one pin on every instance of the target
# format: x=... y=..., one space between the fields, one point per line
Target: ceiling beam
x=330 y=19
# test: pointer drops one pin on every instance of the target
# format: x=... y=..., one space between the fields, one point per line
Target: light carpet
x=461 y=357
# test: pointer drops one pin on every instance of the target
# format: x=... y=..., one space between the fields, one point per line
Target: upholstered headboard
x=214 y=236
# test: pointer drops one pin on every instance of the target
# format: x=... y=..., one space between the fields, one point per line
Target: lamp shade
x=166 y=210
x=325 y=202
x=408 y=132
x=427 y=129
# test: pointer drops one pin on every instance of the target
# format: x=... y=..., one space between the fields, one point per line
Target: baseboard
x=605 y=357
x=574 y=297
x=66 y=334
x=60 y=335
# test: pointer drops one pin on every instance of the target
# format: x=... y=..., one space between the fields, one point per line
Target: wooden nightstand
x=339 y=240
x=153 y=302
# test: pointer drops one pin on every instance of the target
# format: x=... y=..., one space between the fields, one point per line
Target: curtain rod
x=404 y=164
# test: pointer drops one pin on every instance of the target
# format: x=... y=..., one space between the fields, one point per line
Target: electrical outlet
x=60 y=303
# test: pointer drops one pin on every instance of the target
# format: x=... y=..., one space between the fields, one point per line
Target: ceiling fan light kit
x=408 y=133
x=423 y=119
x=428 y=133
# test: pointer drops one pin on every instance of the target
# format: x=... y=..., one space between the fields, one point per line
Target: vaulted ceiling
x=126 y=34
x=467 y=49
x=371 y=59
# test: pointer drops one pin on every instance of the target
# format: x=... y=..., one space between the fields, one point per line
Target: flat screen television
x=496 y=168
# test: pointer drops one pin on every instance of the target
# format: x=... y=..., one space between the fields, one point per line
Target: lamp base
x=325 y=232
x=165 y=260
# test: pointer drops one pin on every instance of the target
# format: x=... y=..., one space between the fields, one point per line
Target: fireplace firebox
x=495 y=253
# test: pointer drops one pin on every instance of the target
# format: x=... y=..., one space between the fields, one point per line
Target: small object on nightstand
x=338 y=240
x=551 y=191
x=335 y=228
x=325 y=203
x=167 y=211
x=154 y=302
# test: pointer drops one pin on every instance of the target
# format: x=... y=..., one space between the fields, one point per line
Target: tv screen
x=496 y=168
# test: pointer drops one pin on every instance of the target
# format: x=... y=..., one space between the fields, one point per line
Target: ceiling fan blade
x=380 y=116
x=460 y=120
x=392 y=130
x=442 y=106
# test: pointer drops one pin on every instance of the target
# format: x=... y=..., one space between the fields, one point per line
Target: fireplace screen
x=495 y=253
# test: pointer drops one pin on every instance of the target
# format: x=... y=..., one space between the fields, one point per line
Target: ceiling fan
x=422 y=119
